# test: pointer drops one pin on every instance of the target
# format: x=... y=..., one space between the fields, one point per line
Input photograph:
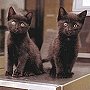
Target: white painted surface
x=16 y=3
x=81 y=5
x=84 y=55
x=29 y=86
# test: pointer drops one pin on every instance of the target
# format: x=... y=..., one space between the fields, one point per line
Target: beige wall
x=51 y=9
x=31 y=4
x=68 y=4
x=2 y=65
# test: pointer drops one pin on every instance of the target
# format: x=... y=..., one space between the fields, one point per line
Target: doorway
x=36 y=30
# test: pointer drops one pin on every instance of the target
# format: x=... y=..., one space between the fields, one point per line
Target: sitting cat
x=22 y=52
x=64 y=50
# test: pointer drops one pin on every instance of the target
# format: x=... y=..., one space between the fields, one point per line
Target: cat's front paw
x=17 y=73
x=37 y=72
x=53 y=72
x=65 y=75
x=27 y=74
x=8 y=73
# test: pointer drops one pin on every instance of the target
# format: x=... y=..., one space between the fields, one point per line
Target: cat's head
x=18 y=23
x=69 y=23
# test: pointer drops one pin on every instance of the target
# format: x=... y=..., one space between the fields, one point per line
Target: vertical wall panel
x=68 y=5
x=50 y=16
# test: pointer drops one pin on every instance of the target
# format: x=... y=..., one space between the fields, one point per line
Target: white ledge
x=84 y=55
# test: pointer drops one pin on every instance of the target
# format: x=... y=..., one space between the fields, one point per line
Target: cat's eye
x=65 y=24
x=22 y=25
x=13 y=22
x=75 y=25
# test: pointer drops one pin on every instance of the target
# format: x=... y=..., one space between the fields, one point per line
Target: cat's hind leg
x=9 y=70
x=10 y=61
x=37 y=69
x=66 y=73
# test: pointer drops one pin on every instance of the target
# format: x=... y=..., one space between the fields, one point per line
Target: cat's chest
x=67 y=48
x=18 y=49
x=67 y=45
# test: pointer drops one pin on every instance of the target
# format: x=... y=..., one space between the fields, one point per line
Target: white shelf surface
x=44 y=82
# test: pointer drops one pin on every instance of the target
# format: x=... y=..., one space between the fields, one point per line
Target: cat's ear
x=62 y=13
x=29 y=17
x=11 y=12
x=82 y=16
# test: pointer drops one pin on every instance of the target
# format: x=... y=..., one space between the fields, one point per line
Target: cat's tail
x=45 y=60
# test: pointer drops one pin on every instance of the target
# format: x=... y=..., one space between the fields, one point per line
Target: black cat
x=64 y=50
x=22 y=52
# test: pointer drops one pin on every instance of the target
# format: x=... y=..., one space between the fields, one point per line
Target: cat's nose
x=69 y=29
x=17 y=28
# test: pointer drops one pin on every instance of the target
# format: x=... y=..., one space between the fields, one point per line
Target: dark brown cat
x=22 y=52
x=64 y=50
